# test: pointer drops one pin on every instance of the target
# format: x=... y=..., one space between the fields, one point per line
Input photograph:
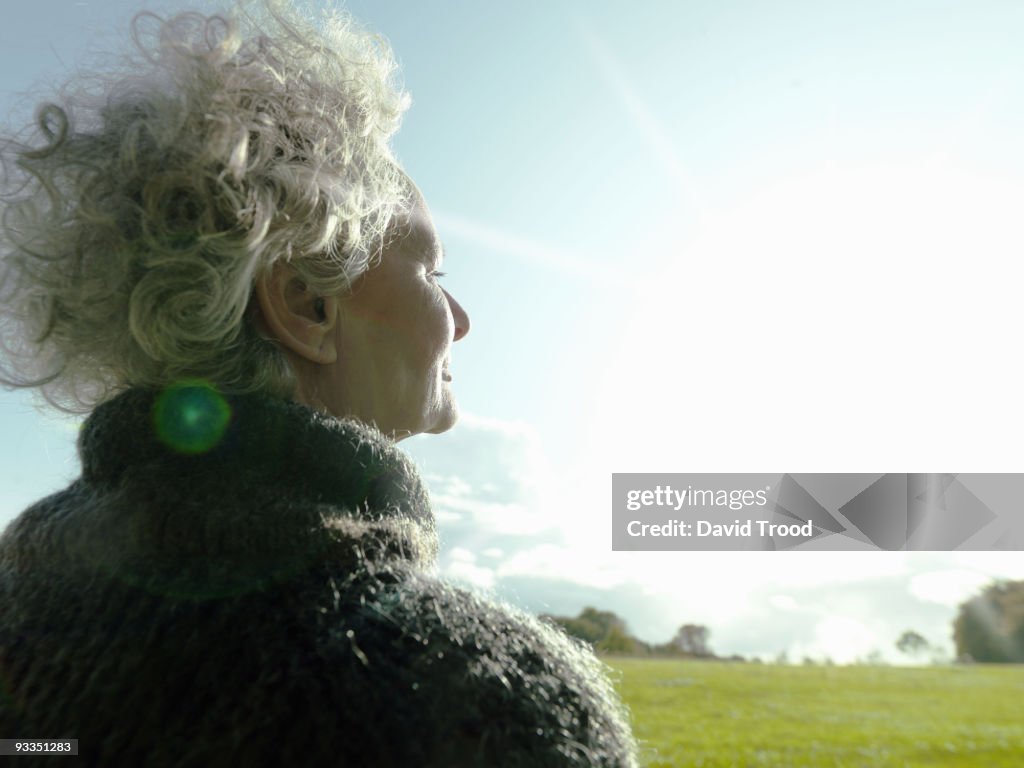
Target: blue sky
x=692 y=236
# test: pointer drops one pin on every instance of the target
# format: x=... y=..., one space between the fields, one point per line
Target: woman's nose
x=460 y=317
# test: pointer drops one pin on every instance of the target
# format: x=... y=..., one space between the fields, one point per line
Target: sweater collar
x=258 y=476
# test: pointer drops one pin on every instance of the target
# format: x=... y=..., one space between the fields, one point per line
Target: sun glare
x=800 y=318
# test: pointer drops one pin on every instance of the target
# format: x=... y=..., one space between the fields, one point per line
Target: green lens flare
x=191 y=416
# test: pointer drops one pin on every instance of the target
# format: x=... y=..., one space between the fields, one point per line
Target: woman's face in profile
x=394 y=334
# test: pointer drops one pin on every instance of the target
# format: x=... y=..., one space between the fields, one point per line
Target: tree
x=692 y=640
x=618 y=640
x=912 y=644
x=990 y=626
x=872 y=659
x=603 y=630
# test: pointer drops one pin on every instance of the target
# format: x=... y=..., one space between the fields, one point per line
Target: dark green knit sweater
x=267 y=600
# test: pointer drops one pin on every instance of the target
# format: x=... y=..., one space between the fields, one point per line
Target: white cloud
x=783 y=603
x=948 y=587
x=494 y=517
x=461 y=555
x=554 y=561
x=448 y=485
x=461 y=566
x=470 y=574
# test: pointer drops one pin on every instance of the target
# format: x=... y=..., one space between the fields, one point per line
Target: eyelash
x=438 y=273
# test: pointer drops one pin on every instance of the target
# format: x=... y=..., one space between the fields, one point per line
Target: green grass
x=691 y=713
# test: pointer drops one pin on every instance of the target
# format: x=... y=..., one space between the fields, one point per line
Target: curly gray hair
x=134 y=227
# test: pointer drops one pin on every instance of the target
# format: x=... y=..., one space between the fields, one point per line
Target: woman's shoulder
x=33 y=538
x=369 y=658
x=480 y=671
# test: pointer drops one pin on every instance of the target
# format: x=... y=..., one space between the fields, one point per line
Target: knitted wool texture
x=270 y=602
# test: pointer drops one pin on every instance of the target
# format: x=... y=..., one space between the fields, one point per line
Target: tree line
x=988 y=627
x=607 y=633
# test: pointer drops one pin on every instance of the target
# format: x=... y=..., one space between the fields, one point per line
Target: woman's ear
x=295 y=316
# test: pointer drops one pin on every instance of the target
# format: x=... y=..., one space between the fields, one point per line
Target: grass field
x=691 y=713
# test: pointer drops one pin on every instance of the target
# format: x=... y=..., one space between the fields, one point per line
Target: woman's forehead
x=415 y=230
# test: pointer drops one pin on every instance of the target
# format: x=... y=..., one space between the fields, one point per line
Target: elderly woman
x=219 y=258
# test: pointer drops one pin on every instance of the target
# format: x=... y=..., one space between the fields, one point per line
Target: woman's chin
x=446 y=419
